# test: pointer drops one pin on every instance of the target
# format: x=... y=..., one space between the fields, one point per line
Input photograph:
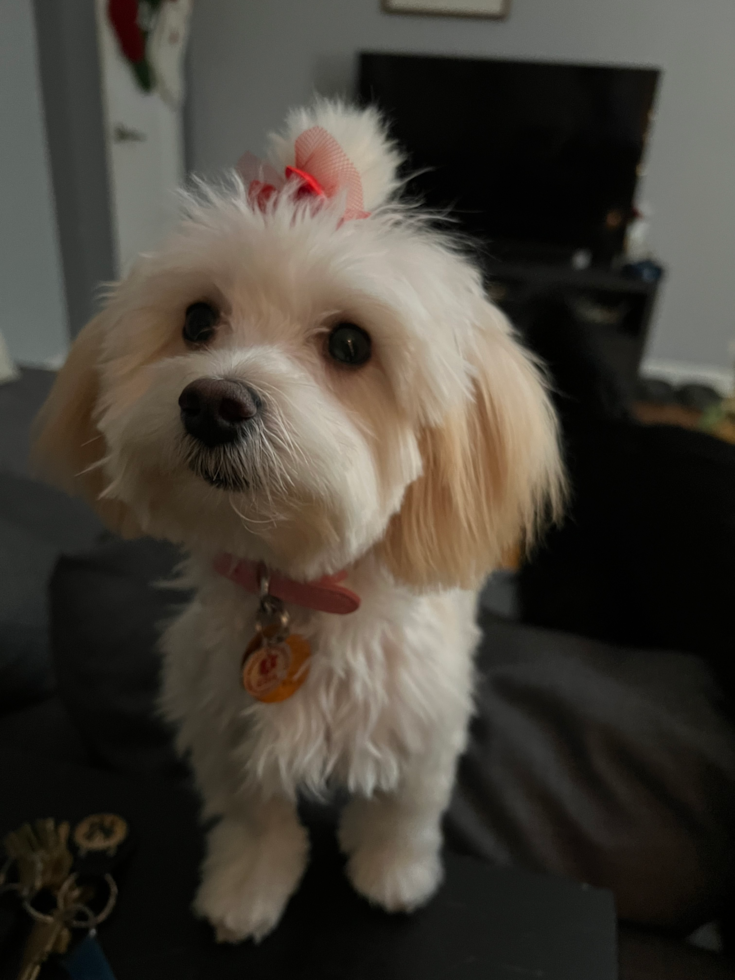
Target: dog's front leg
x=255 y=859
x=393 y=840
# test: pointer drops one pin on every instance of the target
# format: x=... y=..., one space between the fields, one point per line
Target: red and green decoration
x=133 y=21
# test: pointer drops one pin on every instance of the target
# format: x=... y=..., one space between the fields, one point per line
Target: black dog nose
x=215 y=411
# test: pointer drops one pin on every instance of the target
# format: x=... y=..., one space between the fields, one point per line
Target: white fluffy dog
x=309 y=380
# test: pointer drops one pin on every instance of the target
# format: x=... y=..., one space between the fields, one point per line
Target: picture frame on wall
x=450 y=8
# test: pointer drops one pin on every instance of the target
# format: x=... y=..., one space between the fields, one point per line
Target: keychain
x=102 y=843
x=54 y=877
x=87 y=960
x=276 y=662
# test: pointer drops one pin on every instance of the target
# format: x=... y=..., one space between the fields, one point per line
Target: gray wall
x=32 y=308
x=252 y=59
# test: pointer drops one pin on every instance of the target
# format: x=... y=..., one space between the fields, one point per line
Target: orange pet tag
x=275 y=667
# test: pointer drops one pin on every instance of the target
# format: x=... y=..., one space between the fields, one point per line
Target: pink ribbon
x=321 y=166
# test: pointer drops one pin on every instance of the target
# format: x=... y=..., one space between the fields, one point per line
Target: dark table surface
x=485 y=922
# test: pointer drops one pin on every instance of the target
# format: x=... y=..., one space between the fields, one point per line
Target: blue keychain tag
x=87 y=961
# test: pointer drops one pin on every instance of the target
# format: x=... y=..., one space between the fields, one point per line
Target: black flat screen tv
x=536 y=158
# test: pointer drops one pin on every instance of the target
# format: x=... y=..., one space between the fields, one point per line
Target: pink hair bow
x=321 y=166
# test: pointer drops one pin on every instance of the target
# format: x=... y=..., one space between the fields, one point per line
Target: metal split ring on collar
x=264 y=582
x=272 y=616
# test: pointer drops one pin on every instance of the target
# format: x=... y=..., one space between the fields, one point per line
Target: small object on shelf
x=655 y=391
x=700 y=397
x=637 y=245
x=582 y=259
x=719 y=419
x=646 y=270
x=590 y=310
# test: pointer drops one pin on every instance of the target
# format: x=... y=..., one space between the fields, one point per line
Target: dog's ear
x=68 y=446
x=492 y=473
x=362 y=136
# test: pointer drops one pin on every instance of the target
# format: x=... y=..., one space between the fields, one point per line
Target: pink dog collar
x=324 y=595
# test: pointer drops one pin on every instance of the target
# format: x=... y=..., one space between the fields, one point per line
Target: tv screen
x=529 y=155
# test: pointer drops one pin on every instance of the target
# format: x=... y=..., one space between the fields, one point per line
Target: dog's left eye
x=349 y=344
x=199 y=323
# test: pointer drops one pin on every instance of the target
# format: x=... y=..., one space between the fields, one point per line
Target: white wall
x=252 y=59
x=32 y=308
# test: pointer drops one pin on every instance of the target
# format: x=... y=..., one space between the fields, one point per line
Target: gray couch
x=603 y=764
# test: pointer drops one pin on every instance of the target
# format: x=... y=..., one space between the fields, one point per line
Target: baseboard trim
x=8 y=370
x=682 y=372
x=49 y=364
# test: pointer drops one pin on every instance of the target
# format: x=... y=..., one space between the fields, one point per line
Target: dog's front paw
x=240 y=909
x=397 y=878
x=248 y=879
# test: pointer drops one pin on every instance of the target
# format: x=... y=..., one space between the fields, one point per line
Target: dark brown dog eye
x=199 y=323
x=349 y=344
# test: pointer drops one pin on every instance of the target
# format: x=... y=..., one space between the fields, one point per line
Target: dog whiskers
x=97 y=465
x=249 y=522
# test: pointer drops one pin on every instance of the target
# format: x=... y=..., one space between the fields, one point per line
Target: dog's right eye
x=199 y=323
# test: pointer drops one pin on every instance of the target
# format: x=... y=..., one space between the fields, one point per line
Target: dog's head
x=293 y=381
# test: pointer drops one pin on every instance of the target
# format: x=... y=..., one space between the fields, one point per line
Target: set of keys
x=62 y=881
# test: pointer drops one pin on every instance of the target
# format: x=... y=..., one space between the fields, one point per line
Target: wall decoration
x=167 y=45
x=141 y=45
x=128 y=20
x=455 y=8
x=152 y=35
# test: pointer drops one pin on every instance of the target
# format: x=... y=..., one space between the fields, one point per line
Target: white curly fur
x=415 y=472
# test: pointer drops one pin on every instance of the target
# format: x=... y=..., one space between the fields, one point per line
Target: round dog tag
x=273 y=670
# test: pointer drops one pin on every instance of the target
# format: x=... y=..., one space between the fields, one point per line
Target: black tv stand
x=617 y=308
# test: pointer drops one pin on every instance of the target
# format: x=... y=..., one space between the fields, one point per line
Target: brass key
x=51 y=934
x=41 y=854
x=44 y=863
x=45 y=938
x=43 y=860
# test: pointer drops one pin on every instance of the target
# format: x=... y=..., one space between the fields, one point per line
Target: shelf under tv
x=615 y=308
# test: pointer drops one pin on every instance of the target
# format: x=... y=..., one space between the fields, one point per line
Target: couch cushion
x=646 y=554
x=107 y=610
x=46 y=729
x=36 y=524
x=610 y=766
